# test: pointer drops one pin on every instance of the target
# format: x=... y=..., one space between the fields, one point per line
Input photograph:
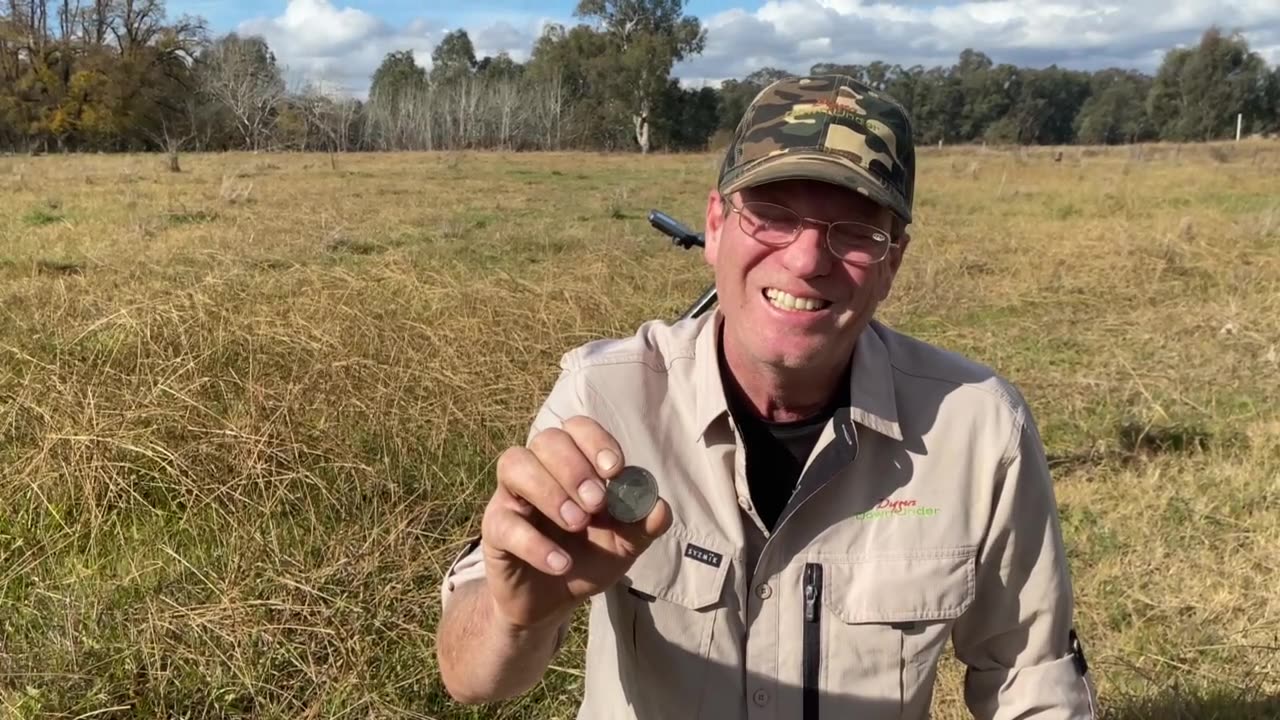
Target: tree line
x=118 y=75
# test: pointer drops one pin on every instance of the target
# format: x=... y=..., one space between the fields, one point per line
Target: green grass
x=240 y=442
x=39 y=217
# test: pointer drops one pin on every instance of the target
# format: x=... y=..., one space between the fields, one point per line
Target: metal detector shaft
x=685 y=238
x=704 y=303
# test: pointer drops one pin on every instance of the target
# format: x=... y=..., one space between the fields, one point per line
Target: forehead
x=816 y=199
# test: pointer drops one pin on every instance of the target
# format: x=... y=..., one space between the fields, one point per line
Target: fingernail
x=557 y=561
x=606 y=460
x=571 y=513
x=591 y=492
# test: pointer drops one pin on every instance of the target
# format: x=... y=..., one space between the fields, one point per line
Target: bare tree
x=548 y=102
x=241 y=75
x=175 y=133
x=332 y=117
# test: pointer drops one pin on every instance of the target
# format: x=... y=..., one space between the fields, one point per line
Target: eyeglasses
x=778 y=226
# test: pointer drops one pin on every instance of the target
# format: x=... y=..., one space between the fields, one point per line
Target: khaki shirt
x=925 y=512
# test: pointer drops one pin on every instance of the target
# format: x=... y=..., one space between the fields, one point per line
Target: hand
x=548 y=540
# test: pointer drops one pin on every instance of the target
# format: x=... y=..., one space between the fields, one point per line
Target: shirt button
x=764 y=592
x=761 y=697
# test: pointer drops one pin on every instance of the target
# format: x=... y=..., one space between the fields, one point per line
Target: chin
x=789 y=353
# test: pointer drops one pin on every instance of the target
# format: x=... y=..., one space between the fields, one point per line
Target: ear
x=714 y=224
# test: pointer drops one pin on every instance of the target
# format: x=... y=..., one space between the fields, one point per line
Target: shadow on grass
x=1197 y=704
x=1137 y=441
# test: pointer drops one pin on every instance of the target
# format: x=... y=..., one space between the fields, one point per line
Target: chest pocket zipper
x=812 y=649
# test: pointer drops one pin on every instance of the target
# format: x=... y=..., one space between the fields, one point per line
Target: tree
x=399 y=74
x=453 y=59
x=686 y=117
x=1115 y=111
x=1272 y=125
x=908 y=86
x=397 y=114
x=736 y=95
x=877 y=75
x=240 y=74
x=940 y=105
x=501 y=67
x=575 y=69
x=988 y=92
x=1198 y=91
x=1045 y=108
x=646 y=39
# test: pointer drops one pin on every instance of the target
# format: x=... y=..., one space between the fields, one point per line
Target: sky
x=339 y=43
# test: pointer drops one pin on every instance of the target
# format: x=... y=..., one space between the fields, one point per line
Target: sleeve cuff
x=1054 y=690
x=467 y=566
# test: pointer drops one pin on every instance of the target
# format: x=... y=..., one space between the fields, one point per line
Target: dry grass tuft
x=249 y=412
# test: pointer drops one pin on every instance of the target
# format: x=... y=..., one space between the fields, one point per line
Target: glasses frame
x=800 y=223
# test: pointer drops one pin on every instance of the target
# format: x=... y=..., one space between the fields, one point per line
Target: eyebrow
x=846 y=215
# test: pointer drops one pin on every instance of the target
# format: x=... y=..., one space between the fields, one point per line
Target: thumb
x=634 y=538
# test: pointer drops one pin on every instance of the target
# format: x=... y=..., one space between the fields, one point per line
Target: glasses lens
x=858 y=243
x=768 y=223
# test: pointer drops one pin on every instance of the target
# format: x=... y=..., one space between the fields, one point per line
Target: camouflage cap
x=830 y=128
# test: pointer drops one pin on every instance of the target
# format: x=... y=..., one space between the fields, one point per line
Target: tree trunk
x=642 y=128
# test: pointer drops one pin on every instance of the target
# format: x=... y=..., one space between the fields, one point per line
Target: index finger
x=597 y=444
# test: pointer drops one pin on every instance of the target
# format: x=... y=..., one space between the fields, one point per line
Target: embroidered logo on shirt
x=703 y=555
x=897 y=508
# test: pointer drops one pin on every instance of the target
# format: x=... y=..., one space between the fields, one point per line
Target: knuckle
x=580 y=422
x=508 y=460
x=515 y=468
x=547 y=439
x=586 y=430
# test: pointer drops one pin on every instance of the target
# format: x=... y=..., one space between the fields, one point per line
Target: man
x=838 y=499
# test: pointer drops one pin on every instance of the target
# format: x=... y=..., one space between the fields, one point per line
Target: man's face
x=749 y=272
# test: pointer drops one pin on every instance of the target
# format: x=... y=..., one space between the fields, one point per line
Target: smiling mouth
x=786 y=301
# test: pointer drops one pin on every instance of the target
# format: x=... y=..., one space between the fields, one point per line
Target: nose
x=807 y=256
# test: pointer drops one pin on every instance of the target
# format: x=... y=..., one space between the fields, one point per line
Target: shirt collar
x=708 y=388
x=872 y=399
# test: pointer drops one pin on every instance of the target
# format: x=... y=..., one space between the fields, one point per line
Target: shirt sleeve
x=1017 y=640
x=563 y=402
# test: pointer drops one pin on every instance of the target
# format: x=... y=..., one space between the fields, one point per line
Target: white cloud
x=343 y=45
x=1086 y=34
x=320 y=42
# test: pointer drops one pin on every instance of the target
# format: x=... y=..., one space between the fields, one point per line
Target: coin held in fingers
x=632 y=494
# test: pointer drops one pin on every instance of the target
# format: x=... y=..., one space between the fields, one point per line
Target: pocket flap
x=681 y=569
x=903 y=587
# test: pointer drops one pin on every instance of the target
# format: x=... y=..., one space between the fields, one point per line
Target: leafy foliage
x=120 y=76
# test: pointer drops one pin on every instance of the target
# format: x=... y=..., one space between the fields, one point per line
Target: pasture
x=249 y=411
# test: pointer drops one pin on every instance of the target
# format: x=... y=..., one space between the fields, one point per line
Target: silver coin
x=632 y=494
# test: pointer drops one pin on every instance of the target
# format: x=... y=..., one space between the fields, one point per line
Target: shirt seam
x=999 y=391
x=577 y=361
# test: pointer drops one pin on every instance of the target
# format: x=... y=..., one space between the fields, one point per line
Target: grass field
x=248 y=412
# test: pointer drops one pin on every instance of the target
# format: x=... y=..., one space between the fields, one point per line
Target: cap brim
x=822 y=167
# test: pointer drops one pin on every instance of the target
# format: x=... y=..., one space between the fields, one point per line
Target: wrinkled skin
x=787 y=364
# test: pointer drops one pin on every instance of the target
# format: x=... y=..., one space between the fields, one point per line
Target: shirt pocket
x=889 y=617
x=673 y=595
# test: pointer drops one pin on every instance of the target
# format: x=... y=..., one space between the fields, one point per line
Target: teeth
x=787 y=301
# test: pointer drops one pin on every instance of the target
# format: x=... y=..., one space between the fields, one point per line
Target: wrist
x=526 y=631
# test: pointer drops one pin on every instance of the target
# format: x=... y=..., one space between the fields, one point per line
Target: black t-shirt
x=776 y=451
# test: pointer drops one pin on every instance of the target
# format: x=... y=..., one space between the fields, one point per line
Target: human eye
x=856 y=241
x=771 y=216
x=858 y=234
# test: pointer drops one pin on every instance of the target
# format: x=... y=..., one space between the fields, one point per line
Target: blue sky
x=341 y=42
